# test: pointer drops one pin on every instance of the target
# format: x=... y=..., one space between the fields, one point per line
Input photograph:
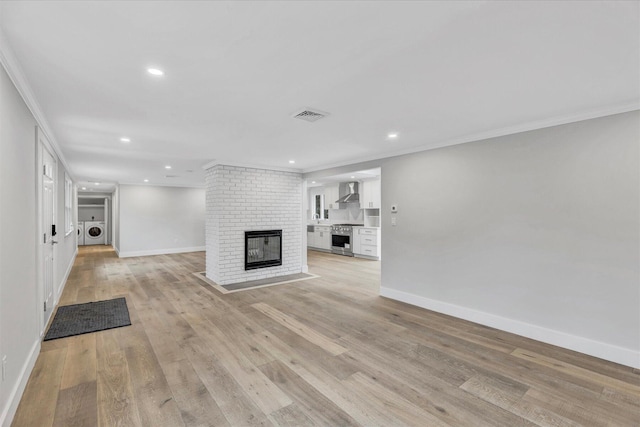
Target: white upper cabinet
x=370 y=195
x=331 y=194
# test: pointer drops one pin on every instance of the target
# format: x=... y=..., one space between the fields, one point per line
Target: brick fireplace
x=241 y=200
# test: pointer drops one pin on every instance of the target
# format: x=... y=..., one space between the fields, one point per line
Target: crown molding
x=250 y=166
x=19 y=79
x=524 y=127
x=150 y=184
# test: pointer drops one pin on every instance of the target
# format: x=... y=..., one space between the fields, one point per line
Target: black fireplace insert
x=262 y=249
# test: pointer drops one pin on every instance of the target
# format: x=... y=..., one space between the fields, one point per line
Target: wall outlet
x=393 y=221
x=4 y=367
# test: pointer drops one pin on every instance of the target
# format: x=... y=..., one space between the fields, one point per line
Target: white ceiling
x=435 y=72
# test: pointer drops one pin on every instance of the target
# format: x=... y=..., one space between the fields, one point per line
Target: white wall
x=535 y=233
x=159 y=220
x=17 y=237
x=20 y=294
x=86 y=213
x=246 y=199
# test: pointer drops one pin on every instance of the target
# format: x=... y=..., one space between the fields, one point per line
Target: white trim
x=63 y=283
x=9 y=411
x=42 y=143
x=250 y=166
x=117 y=251
x=304 y=267
x=160 y=251
x=613 y=353
x=151 y=184
x=524 y=127
x=19 y=79
x=68 y=203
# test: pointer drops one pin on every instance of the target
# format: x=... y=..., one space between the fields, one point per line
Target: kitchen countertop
x=329 y=225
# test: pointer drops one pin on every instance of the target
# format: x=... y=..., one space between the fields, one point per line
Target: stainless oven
x=341 y=239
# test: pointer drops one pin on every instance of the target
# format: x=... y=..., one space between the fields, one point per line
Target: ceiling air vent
x=172 y=176
x=310 y=115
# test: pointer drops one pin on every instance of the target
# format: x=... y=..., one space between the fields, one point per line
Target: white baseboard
x=66 y=276
x=115 y=248
x=624 y=356
x=161 y=251
x=11 y=405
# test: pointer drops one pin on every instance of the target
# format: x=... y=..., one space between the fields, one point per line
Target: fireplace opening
x=262 y=249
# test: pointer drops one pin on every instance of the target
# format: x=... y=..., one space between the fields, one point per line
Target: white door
x=48 y=240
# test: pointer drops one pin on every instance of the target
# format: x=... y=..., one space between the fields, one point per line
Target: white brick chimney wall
x=245 y=199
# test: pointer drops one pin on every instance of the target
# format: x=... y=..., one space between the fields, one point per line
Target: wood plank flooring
x=322 y=352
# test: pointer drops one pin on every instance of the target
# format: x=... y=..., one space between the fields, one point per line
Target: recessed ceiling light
x=84 y=188
x=392 y=135
x=313 y=182
x=96 y=183
x=292 y=161
x=155 y=72
x=353 y=177
x=125 y=139
x=167 y=167
x=146 y=180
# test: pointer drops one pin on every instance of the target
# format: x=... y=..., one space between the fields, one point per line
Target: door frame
x=108 y=229
x=42 y=143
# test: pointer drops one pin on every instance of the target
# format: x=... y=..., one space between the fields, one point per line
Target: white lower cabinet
x=323 y=238
x=320 y=238
x=366 y=242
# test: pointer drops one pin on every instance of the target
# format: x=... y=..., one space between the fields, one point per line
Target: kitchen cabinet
x=366 y=242
x=370 y=195
x=331 y=194
x=311 y=239
x=320 y=238
x=323 y=238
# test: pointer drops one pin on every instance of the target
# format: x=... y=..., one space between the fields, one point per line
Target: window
x=68 y=205
x=319 y=208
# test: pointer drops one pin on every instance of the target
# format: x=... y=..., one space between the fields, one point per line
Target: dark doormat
x=81 y=319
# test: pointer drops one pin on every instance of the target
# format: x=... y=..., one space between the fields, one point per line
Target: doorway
x=94 y=218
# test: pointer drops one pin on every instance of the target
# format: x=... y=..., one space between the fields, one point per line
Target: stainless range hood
x=348 y=193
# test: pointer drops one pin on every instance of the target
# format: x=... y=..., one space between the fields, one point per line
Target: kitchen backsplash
x=348 y=215
x=341 y=216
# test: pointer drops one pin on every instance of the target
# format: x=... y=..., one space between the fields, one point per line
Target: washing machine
x=80 y=231
x=94 y=233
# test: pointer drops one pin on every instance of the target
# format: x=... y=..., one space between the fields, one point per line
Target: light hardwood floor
x=322 y=352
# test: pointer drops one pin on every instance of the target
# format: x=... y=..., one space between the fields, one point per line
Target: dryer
x=94 y=233
x=80 y=231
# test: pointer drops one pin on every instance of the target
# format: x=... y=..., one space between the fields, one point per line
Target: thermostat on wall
x=394 y=208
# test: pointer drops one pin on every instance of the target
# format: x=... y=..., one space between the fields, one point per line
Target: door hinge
x=44 y=240
x=45 y=306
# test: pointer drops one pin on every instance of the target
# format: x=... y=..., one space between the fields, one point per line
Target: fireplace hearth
x=262 y=249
